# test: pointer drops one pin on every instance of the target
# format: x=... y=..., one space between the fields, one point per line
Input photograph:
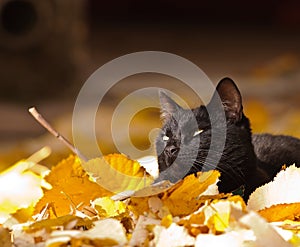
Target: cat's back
x=274 y=151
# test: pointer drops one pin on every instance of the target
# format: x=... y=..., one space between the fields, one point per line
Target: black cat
x=244 y=160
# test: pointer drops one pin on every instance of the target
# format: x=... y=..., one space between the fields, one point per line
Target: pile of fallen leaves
x=112 y=201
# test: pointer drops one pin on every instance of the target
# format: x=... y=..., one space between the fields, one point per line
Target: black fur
x=245 y=160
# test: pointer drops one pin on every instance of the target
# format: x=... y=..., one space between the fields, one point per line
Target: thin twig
x=47 y=126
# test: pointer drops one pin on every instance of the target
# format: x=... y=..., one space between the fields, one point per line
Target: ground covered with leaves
x=112 y=201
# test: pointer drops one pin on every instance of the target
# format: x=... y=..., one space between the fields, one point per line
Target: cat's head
x=185 y=139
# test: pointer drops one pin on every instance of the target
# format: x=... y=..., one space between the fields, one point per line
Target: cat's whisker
x=234 y=174
x=234 y=170
x=205 y=163
x=221 y=154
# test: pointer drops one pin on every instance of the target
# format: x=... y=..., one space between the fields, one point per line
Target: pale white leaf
x=282 y=190
x=172 y=236
x=264 y=232
x=140 y=232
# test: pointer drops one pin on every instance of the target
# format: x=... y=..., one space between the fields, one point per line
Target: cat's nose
x=171 y=150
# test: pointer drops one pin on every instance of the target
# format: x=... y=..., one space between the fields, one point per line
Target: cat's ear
x=231 y=99
x=168 y=106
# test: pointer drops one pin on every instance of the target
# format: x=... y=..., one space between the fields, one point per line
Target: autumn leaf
x=180 y=199
x=218 y=213
x=188 y=213
x=174 y=235
x=153 y=189
x=107 y=232
x=167 y=220
x=265 y=234
x=68 y=222
x=23 y=215
x=107 y=207
x=138 y=205
x=118 y=173
x=281 y=212
x=71 y=187
x=142 y=234
x=214 y=216
x=5 y=238
x=280 y=191
x=183 y=198
x=195 y=223
x=278 y=200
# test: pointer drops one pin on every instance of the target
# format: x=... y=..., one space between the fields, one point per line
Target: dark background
x=224 y=13
x=48 y=48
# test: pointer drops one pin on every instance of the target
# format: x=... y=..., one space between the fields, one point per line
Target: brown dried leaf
x=5 y=237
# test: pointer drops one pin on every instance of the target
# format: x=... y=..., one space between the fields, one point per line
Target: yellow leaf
x=193 y=219
x=183 y=198
x=117 y=173
x=167 y=220
x=218 y=219
x=138 y=205
x=67 y=222
x=23 y=215
x=71 y=186
x=107 y=207
x=178 y=200
x=281 y=212
x=238 y=201
x=295 y=240
x=214 y=216
x=194 y=223
x=218 y=213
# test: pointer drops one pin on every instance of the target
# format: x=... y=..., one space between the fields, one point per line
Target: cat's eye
x=165 y=138
x=197 y=132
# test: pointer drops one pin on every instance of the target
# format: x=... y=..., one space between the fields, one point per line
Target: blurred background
x=49 y=48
